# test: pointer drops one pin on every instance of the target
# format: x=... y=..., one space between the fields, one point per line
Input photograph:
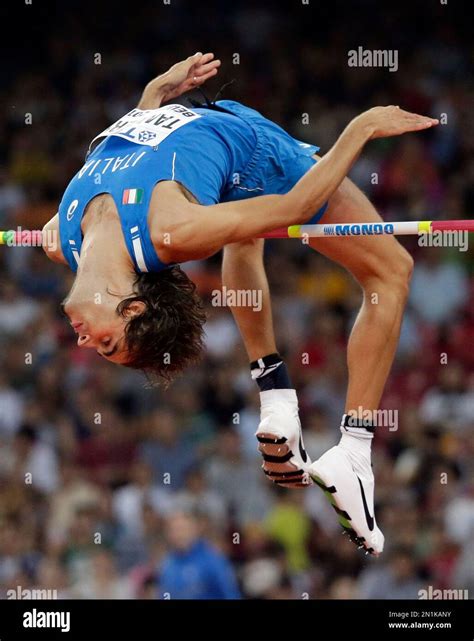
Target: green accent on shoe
x=344 y=522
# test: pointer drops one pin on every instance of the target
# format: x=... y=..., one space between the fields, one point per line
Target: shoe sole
x=277 y=464
x=344 y=518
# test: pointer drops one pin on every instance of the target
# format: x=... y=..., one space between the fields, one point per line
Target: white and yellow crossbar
x=408 y=228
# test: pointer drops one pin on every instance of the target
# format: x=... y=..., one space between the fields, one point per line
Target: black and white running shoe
x=285 y=461
x=348 y=483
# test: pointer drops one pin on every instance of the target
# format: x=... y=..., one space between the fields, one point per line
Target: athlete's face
x=98 y=325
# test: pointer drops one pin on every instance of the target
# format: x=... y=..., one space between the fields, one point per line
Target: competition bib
x=150 y=126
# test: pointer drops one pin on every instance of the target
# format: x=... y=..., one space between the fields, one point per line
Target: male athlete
x=166 y=185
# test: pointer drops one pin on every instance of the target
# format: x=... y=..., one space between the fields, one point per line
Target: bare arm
x=188 y=231
x=181 y=77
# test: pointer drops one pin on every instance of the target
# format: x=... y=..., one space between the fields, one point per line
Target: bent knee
x=393 y=269
x=400 y=264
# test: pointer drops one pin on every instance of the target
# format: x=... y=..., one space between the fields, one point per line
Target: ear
x=136 y=308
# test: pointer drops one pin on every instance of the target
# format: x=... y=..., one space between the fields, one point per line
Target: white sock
x=356 y=438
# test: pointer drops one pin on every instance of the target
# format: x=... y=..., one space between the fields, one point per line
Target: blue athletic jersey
x=218 y=156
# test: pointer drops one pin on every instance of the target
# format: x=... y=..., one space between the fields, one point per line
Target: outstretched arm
x=181 y=77
x=188 y=231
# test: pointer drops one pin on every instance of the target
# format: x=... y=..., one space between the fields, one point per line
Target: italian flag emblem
x=132 y=196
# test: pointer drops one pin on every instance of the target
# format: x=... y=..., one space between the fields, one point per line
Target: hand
x=382 y=122
x=187 y=75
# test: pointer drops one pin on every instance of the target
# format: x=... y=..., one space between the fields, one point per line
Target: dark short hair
x=168 y=335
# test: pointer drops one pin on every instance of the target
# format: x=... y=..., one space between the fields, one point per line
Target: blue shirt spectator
x=198 y=573
x=167 y=451
x=193 y=569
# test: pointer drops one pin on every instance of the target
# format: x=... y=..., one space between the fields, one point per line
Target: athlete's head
x=158 y=328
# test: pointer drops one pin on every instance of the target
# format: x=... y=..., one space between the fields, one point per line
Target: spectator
x=438 y=289
x=193 y=569
x=130 y=500
x=166 y=451
x=237 y=480
x=33 y=461
x=451 y=401
x=103 y=581
x=397 y=580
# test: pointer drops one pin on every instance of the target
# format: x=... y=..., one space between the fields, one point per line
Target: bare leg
x=380 y=265
x=242 y=268
x=383 y=268
x=279 y=431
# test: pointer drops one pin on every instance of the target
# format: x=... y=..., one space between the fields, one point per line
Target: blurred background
x=145 y=493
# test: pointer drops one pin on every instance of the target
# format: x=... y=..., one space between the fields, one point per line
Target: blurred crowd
x=110 y=489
